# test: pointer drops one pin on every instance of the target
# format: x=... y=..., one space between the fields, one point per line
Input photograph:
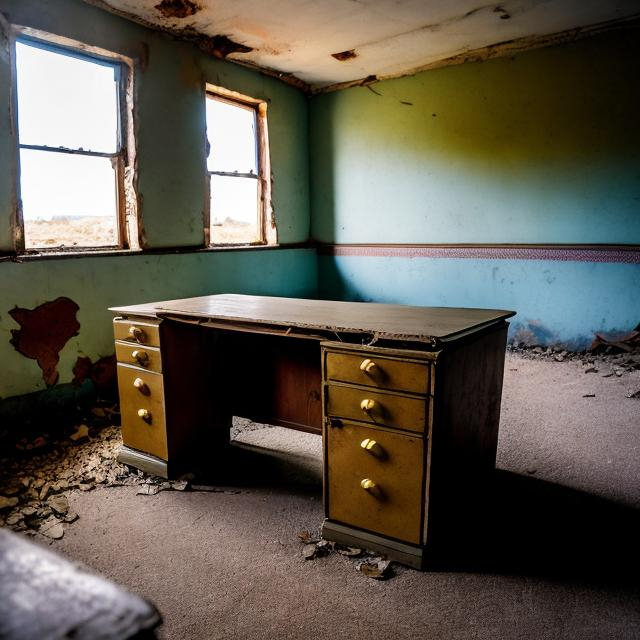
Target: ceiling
x=382 y=38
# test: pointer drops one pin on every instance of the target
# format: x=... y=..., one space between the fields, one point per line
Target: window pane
x=231 y=131
x=65 y=101
x=234 y=210
x=68 y=200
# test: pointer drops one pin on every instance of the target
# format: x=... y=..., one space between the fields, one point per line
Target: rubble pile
x=367 y=562
x=36 y=479
x=607 y=363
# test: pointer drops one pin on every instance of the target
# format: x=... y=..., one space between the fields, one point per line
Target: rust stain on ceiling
x=177 y=8
x=345 y=55
x=43 y=333
x=297 y=42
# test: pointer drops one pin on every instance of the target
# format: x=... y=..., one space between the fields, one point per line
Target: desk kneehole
x=375 y=480
x=142 y=410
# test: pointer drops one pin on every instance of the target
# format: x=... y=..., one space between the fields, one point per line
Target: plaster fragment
x=177 y=8
x=221 y=46
x=43 y=333
x=342 y=56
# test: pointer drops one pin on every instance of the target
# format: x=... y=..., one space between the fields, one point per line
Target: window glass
x=231 y=130
x=234 y=207
x=68 y=200
x=65 y=101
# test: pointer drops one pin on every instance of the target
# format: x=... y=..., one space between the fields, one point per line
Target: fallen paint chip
x=588 y=395
x=59 y=505
x=52 y=528
x=309 y=551
x=7 y=503
x=148 y=490
x=376 y=568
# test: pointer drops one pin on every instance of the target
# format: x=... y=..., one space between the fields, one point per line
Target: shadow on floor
x=252 y=466
x=527 y=526
x=517 y=525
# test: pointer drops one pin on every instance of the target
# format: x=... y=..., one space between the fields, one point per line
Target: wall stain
x=102 y=372
x=177 y=8
x=43 y=332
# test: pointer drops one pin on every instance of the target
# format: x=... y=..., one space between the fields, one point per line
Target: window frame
x=267 y=233
x=122 y=160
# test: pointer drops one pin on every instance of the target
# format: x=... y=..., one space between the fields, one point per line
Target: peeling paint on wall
x=102 y=373
x=43 y=333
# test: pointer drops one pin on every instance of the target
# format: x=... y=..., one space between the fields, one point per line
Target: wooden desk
x=407 y=400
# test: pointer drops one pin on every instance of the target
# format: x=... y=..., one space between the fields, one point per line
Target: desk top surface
x=384 y=321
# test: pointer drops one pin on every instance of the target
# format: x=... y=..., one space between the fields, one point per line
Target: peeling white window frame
x=268 y=234
x=124 y=160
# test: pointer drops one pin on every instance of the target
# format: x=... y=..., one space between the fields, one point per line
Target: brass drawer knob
x=136 y=333
x=368 y=366
x=367 y=484
x=141 y=357
x=367 y=405
x=368 y=444
x=141 y=386
x=145 y=415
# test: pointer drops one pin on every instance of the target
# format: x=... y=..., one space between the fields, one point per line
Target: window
x=238 y=167
x=72 y=134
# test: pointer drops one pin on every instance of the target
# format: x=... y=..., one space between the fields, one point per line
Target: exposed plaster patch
x=221 y=46
x=102 y=373
x=345 y=55
x=43 y=332
x=177 y=8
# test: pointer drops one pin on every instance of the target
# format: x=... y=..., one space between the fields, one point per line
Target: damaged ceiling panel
x=337 y=41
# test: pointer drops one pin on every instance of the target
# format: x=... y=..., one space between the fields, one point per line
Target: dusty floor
x=555 y=557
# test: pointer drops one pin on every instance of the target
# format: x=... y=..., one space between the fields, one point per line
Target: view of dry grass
x=234 y=232
x=94 y=231
x=62 y=231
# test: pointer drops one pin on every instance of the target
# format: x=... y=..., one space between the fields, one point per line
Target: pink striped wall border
x=578 y=253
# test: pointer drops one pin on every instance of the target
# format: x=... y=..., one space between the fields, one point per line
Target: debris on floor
x=617 y=342
x=368 y=562
x=606 y=361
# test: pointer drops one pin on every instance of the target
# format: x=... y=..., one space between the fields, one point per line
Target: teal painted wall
x=557 y=302
x=543 y=147
x=170 y=77
x=540 y=148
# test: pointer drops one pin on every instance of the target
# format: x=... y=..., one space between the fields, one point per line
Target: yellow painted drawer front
x=137 y=332
x=142 y=391
x=385 y=373
x=385 y=409
x=139 y=356
x=376 y=487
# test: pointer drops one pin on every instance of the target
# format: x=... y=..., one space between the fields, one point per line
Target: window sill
x=105 y=253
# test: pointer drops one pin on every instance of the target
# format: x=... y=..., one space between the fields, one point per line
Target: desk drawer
x=146 y=333
x=139 y=356
x=376 y=371
x=376 y=487
x=385 y=409
x=142 y=410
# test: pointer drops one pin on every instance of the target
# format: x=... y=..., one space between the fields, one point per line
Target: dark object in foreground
x=45 y=597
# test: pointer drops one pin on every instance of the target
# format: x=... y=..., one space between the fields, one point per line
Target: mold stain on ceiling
x=333 y=42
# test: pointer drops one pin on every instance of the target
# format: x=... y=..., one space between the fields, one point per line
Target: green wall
x=170 y=77
x=543 y=147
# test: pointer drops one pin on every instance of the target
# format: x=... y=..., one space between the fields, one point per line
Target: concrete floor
x=555 y=557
